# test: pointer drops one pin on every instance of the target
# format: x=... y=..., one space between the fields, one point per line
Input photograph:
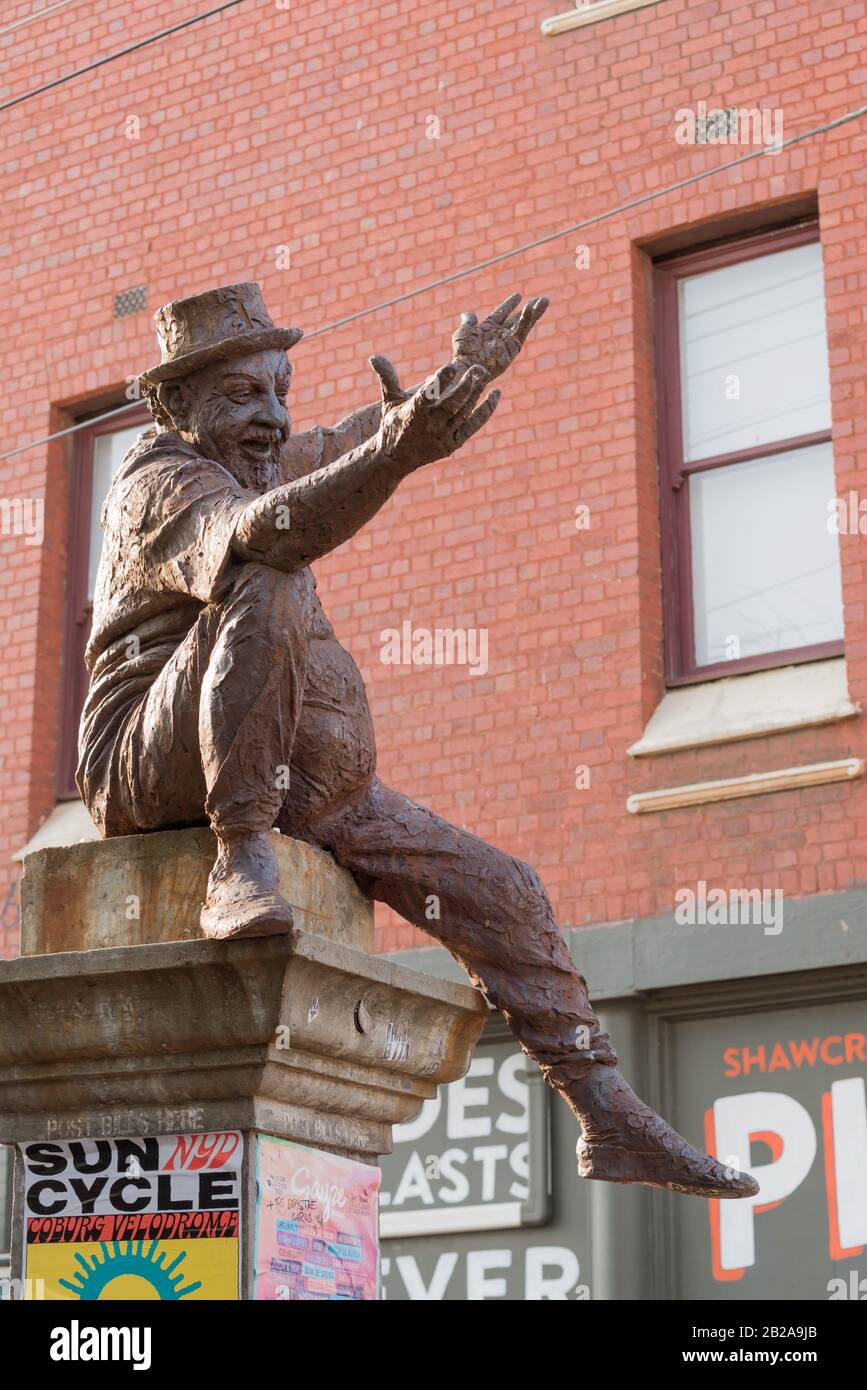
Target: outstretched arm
x=316 y=448
x=493 y=344
x=295 y=524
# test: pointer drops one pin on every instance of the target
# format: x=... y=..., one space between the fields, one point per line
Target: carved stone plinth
x=141 y=889
x=312 y=1040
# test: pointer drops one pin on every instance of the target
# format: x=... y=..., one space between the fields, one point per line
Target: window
x=751 y=567
x=98 y=451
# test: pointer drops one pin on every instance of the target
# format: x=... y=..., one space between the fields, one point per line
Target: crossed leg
x=213 y=735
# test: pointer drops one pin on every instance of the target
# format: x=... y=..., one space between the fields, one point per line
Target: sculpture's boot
x=624 y=1140
x=242 y=892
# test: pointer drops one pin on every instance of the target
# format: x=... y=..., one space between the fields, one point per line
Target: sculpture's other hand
x=496 y=341
x=433 y=421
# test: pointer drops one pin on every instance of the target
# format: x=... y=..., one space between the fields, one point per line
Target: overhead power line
x=121 y=53
x=769 y=152
x=644 y=198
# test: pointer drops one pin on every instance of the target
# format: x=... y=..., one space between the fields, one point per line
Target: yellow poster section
x=132 y=1271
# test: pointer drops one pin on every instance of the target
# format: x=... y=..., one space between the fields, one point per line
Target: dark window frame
x=79 y=608
x=674 y=471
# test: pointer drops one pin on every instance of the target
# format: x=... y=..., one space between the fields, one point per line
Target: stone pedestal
x=119 y=1021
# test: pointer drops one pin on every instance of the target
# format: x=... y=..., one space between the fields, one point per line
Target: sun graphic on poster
x=131 y=1274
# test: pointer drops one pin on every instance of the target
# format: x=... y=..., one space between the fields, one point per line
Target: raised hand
x=433 y=421
x=496 y=341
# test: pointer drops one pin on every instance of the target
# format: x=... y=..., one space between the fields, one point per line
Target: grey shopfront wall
x=753 y=1044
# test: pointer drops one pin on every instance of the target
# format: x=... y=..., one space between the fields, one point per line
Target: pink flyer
x=317 y=1224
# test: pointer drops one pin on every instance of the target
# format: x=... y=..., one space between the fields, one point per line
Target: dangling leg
x=493 y=914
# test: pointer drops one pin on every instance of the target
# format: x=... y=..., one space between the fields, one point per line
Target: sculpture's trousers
x=215 y=731
x=489 y=910
x=222 y=717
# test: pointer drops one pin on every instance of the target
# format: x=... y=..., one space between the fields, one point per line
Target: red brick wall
x=306 y=127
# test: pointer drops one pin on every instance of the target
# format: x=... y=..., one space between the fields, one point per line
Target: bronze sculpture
x=219 y=691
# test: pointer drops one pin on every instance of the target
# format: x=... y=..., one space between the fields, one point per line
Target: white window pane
x=108 y=454
x=765 y=568
x=754 y=354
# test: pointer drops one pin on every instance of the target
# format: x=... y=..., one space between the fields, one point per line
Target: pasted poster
x=316 y=1224
x=134 y=1219
x=781 y=1093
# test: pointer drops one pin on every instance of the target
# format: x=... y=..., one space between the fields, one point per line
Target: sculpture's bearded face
x=235 y=412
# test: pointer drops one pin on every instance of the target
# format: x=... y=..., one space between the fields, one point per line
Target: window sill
x=748 y=706
x=591 y=14
x=68 y=824
x=753 y=784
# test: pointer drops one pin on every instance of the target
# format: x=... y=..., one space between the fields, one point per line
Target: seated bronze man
x=219 y=691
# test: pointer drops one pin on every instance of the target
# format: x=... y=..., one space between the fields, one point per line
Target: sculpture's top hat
x=228 y=322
